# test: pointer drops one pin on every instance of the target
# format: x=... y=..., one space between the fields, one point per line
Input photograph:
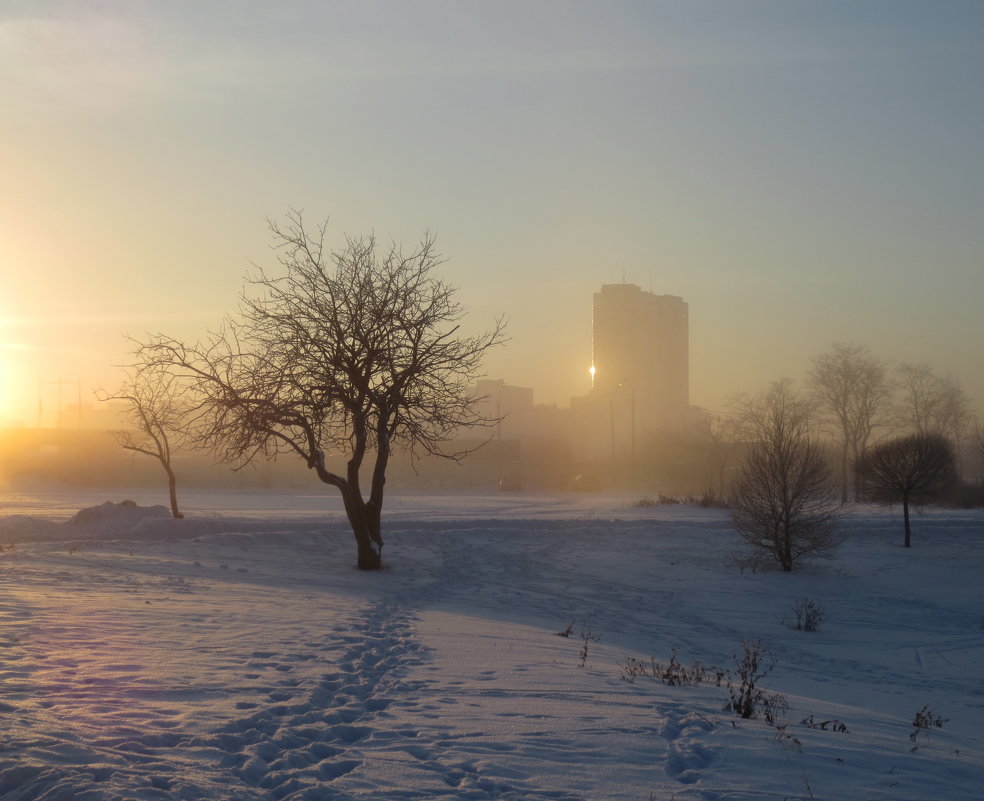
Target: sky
x=801 y=173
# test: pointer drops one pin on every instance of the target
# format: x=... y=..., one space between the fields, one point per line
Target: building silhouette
x=634 y=420
x=641 y=355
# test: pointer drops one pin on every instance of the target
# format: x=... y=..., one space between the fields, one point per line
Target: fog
x=798 y=178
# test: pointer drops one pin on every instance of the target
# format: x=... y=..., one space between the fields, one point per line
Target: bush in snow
x=709 y=499
x=825 y=725
x=745 y=696
x=673 y=673
x=586 y=636
x=925 y=720
x=808 y=615
x=657 y=500
x=964 y=495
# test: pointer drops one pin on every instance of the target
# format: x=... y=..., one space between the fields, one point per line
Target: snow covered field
x=237 y=654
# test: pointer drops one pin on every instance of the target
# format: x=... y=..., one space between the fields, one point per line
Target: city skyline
x=802 y=174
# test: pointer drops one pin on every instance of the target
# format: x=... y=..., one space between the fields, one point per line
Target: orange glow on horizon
x=15 y=396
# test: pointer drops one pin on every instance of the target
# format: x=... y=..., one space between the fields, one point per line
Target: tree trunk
x=359 y=516
x=374 y=507
x=786 y=550
x=374 y=524
x=172 y=487
x=857 y=483
x=845 y=478
x=369 y=557
x=905 y=512
x=369 y=554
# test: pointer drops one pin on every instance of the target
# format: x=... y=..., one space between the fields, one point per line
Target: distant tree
x=912 y=469
x=345 y=354
x=156 y=414
x=721 y=441
x=932 y=404
x=781 y=499
x=852 y=390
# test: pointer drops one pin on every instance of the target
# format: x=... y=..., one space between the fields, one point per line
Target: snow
x=237 y=653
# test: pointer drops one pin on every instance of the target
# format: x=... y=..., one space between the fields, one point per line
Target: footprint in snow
x=688 y=754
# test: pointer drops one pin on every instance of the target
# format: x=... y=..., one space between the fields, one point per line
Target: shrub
x=808 y=615
x=745 y=696
x=964 y=495
x=587 y=635
x=832 y=725
x=707 y=499
x=925 y=720
x=711 y=500
x=673 y=673
x=659 y=499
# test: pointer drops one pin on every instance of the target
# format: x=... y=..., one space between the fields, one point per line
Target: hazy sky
x=800 y=172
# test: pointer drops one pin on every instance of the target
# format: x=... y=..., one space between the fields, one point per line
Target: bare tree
x=955 y=418
x=156 y=412
x=345 y=354
x=932 y=404
x=782 y=499
x=913 y=468
x=722 y=440
x=852 y=389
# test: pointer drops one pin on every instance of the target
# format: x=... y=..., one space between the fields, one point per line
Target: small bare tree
x=913 y=468
x=852 y=390
x=156 y=414
x=782 y=497
x=345 y=354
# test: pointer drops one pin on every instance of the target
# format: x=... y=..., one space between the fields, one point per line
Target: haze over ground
x=800 y=173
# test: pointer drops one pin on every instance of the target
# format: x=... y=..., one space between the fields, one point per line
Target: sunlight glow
x=12 y=381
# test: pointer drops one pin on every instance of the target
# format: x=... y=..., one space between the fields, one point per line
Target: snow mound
x=125 y=520
x=108 y=521
x=26 y=528
x=120 y=517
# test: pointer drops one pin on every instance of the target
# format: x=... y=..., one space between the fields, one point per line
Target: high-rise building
x=641 y=356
